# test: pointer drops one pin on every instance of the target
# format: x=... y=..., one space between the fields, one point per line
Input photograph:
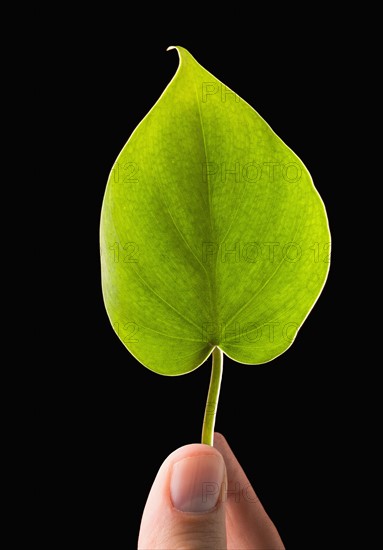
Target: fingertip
x=219 y=437
x=196 y=482
x=189 y=451
x=184 y=502
x=220 y=442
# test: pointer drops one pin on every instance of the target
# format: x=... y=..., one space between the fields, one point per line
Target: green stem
x=212 y=397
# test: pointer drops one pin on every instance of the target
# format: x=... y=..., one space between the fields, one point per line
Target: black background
x=108 y=422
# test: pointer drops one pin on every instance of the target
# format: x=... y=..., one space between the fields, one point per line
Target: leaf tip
x=178 y=48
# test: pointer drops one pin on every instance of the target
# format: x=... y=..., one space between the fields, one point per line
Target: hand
x=201 y=499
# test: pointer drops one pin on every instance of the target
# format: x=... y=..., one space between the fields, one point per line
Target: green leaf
x=213 y=235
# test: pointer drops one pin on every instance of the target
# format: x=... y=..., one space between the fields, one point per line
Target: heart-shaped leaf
x=213 y=235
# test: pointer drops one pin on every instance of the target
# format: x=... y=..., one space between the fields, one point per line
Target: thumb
x=185 y=508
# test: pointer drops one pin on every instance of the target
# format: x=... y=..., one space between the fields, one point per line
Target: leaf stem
x=212 y=397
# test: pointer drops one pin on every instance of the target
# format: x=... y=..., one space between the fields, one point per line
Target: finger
x=185 y=508
x=247 y=524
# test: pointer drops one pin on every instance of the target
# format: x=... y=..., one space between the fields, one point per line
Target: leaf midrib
x=213 y=270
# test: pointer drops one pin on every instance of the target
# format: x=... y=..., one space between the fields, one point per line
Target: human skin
x=202 y=499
